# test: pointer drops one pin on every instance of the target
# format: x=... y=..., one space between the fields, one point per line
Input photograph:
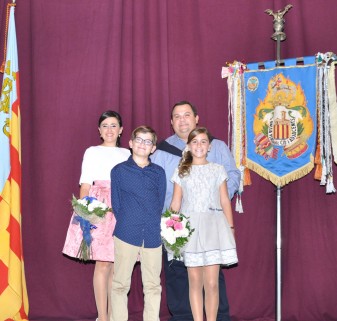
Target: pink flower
x=178 y=226
x=170 y=223
x=175 y=217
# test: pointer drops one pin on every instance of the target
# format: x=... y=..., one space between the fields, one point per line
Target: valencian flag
x=13 y=292
x=281 y=121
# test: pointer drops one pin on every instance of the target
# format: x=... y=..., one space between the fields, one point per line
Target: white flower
x=163 y=223
x=82 y=202
x=182 y=233
x=91 y=207
x=94 y=204
x=103 y=206
x=169 y=235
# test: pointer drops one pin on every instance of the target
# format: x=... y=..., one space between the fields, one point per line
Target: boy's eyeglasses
x=139 y=140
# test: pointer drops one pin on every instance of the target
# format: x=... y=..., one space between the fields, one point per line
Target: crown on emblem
x=282 y=93
x=282 y=98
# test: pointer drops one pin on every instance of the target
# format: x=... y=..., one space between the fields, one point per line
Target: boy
x=138 y=189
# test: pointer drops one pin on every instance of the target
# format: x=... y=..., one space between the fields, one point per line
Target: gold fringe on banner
x=284 y=180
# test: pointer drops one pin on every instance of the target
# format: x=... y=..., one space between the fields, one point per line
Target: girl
x=200 y=192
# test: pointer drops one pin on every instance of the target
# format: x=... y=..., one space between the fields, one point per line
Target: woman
x=95 y=181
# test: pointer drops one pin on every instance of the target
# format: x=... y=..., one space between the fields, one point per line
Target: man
x=184 y=119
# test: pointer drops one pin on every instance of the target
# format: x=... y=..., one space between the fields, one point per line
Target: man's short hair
x=184 y=102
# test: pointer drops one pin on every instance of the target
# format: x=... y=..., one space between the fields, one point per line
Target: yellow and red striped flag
x=13 y=291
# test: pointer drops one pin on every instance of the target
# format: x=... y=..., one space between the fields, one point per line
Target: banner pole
x=278 y=218
x=278 y=36
x=278 y=255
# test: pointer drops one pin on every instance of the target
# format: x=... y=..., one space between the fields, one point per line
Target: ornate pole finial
x=278 y=22
x=278 y=35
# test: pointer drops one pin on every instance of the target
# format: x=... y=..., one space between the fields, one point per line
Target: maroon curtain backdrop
x=78 y=58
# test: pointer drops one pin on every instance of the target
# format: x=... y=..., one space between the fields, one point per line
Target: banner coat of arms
x=281 y=122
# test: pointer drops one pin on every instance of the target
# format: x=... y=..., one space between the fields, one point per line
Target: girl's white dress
x=212 y=241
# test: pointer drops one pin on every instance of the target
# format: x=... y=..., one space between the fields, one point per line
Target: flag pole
x=278 y=36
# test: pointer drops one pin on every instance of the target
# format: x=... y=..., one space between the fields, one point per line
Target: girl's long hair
x=186 y=160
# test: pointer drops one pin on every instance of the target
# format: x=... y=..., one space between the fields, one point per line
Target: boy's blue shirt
x=137 y=197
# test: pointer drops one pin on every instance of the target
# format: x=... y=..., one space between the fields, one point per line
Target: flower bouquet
x=175 y=232
x=89 y=211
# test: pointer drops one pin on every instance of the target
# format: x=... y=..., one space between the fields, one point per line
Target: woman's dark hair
x=185 y=163
x=111 y=113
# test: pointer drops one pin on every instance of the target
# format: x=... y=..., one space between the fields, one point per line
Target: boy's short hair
x=144 y=130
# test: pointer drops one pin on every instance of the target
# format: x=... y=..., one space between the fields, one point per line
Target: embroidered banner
x=281 y=122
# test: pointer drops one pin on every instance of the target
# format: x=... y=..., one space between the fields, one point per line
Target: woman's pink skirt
x=102 y=241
